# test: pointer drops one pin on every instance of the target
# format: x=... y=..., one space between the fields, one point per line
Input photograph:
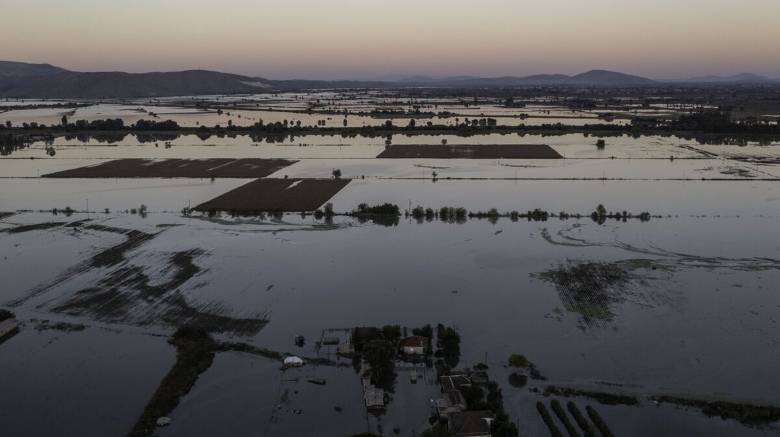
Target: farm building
x=470 y=423
x=415 y=345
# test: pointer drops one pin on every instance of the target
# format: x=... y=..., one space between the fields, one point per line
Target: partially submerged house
x=415 y=345
x=374 y=397
x=451 y=402
x=454 y=382
x=470 y=423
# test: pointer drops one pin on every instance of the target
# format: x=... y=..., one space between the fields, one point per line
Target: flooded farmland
x=228 y=284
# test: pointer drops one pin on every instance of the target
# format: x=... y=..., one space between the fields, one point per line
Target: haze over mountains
x=23 y=80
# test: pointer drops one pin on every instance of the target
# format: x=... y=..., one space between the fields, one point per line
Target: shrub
x=519 y=360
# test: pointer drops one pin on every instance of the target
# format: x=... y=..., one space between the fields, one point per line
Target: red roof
x=415 y=341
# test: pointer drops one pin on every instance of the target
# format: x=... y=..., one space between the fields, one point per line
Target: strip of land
x=289 y=195
x=177 y=168
x=481 y=151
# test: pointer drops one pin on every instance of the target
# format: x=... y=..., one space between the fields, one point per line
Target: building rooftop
x=414 y=341
x=470 y=423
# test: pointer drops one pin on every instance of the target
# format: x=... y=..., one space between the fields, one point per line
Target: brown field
x=481 y=151
x=177 y=168
x=276 y=195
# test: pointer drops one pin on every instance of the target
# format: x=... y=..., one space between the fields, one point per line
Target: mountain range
x=737 y=78
x=23 y=80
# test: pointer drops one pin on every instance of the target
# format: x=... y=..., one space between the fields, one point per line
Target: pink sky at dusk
x=372 y=38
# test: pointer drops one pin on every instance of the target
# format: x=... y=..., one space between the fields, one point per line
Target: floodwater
x=701 y=302
x=694 y=313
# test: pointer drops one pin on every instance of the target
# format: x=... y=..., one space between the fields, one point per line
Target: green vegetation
x=518 y=360
x=590 y=288
x=561 y=413
x=601 y=397
x=599 y=422
x=448 y=345
x=548 y=420
x=503 y=427
x=379 y=348
x=453 y=215
x=425 y=331
x=380 y=355
x=583 y=423
x=518 y=380
x=384 y=209
x=747 y=414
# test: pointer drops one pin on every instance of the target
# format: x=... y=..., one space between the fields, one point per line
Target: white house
x=415 y=345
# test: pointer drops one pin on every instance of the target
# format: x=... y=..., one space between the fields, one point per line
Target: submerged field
x=654 y=315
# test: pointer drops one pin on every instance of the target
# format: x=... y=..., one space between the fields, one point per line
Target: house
x=330 y=341
x=415 y=345
x=452 y=402
x=374 y=397
x=470 y=423
x=454 y=382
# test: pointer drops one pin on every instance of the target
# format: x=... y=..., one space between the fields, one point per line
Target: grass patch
x=747 y=414
x=601 y=397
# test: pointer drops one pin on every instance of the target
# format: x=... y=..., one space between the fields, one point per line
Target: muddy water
x=698 y=315
x=309 y=110
x=90 y=383
x=695 y=312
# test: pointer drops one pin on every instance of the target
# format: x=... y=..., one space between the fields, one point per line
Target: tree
x=336 y=173
x=64 y=120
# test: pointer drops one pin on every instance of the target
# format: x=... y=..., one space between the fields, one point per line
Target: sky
x=333 y=39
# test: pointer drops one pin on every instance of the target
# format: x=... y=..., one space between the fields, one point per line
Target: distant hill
x=590 y=78
x=51 y=82
x=737 y=78
x=46 y=81
x=21 y=70
x=608 y=78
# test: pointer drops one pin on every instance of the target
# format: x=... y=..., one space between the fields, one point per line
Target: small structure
x=416 y=345
x=330 y=341
x=345 y=349
x=293 y=361
x=470 y=423
x=452 y=402
x=454 y=382
x=375 y=398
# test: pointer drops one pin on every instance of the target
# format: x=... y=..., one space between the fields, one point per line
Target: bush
x=425 y=331
x=383 y=209
x=519 y=360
